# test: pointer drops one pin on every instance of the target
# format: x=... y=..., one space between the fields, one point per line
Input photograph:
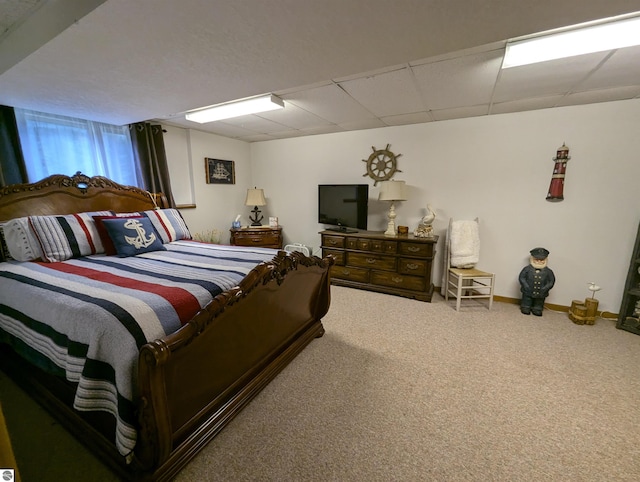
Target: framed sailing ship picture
x=219 y=171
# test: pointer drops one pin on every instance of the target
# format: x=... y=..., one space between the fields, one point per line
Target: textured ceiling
x=14 y=12
x=339 y=64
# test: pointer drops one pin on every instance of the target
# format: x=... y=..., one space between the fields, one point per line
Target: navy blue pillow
x=133 y=236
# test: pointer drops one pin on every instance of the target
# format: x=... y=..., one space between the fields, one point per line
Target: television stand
x=342 y=229
x=398 y=265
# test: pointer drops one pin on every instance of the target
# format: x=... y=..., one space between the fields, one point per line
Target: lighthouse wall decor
x=219 y=171
x=556 y=188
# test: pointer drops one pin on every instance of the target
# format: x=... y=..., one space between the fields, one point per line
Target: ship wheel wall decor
x=382 y=164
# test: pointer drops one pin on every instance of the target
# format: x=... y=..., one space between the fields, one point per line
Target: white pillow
x=21 y=240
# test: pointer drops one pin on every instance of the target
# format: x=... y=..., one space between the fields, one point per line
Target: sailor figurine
x=536 y=280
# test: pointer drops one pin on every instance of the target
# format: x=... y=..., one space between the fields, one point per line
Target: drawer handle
x=371 y=260
x=413 y=249
x=346 y=272
x=331 y=242
x=396 y=279
x=412 y=266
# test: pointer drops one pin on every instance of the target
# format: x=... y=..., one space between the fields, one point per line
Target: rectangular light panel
x=239 y=108
x=595 y=38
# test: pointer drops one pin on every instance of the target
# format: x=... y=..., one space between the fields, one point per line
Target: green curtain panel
x=12 y=167
x=148 y=147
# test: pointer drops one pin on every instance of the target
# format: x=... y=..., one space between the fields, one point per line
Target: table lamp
x=255 y=198
x=392 y=191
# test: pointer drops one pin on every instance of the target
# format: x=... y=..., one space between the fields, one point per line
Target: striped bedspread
x=86 y=318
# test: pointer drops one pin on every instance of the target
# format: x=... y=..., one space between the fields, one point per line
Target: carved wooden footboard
x=239 y=343
x=194 y=381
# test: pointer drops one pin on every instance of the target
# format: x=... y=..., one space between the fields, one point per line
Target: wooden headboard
x=60 y=194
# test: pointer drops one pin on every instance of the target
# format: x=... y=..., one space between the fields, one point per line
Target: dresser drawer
x=266 y=239
x=397 y=280
x=416 y=249
x=332 y=241
x=350 y=273
x=417 y=267
x=339 y=255
x=377 y=246
x=371 y=260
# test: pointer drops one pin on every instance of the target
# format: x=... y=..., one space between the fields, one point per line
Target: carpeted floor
x=403 y=390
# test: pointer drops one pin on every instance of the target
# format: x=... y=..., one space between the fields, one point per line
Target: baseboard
x=561 y=308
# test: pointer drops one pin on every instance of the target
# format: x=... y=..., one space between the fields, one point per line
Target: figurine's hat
x=539 y=253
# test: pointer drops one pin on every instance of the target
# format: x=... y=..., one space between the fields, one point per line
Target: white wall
x=497 y=168
x=216 y=204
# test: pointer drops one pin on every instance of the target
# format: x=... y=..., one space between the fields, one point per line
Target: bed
x=145 y=356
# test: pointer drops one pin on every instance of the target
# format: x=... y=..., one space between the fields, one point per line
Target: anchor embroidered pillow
x=109 y=248
x=133 y=236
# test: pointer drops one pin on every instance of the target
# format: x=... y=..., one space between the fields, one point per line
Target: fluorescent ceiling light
x=578 y=41
x=252 y=105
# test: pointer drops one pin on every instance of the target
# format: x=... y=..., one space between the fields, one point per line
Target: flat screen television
x=343 y=206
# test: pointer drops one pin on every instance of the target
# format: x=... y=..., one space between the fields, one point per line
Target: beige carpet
x=401 y=390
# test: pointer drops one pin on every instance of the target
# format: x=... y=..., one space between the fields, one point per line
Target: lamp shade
x=392 y=191
x=255 y=197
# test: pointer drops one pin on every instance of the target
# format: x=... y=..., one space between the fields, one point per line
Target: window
x=53 y=144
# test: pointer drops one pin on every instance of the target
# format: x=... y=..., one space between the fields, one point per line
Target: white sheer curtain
x=54 y=144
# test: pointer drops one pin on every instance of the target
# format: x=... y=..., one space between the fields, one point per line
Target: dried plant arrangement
x=211 y=236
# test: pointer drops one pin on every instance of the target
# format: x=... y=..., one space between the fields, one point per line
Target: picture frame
x=219 y=171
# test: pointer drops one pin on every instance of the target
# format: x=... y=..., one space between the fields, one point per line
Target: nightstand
x=262 y=236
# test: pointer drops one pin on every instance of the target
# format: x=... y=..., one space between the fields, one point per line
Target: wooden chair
x=465 y=282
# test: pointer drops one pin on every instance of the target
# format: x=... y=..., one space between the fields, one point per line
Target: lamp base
x=256 y=221
x=391 y=229
x=391 y=226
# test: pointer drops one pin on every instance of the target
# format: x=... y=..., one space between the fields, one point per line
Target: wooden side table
x=261 y=236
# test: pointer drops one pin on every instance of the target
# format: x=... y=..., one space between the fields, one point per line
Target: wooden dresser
x=263 y=237
x=370 y=260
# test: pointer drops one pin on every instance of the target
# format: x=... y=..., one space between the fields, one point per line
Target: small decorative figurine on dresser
x=536 y=280
x=425 y=228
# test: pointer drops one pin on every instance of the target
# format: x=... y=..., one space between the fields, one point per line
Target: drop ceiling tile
x=622 y=68
x=256 y=138
x=500 y=46
x=370 y=73
x=525 y=104
x=323 y=130
x=330 y=103
x=223 y=129
x=458 y=82
x=14 y=12
x=294 y=117
x=362 y=124
x=545 y=78
x=386 y=94
x=288 y=133
x=404 y=119
x=459 y=112
x=601 y=95
x=255 y=123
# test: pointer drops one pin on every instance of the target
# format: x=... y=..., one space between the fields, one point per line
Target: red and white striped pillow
x=169 y=224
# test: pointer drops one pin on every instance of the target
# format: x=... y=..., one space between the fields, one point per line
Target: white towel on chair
x=464 y=244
